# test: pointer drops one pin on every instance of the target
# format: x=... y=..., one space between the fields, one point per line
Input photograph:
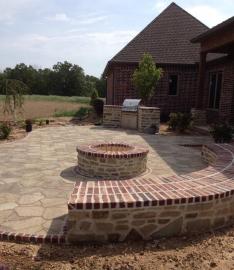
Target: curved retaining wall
x=142 y=208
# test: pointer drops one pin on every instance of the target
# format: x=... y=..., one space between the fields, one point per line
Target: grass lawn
x=82 y=100
x=37 y=106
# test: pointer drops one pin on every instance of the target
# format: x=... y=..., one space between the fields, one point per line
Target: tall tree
x=146 y=76
x=14 y=91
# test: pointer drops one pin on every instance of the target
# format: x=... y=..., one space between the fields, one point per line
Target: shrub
x=221 y=132
x=180 y=121
x=173 y=122
x=184 y=121
x=93 y=96
x=5 y=131
x=98 y=105
x=82 y=112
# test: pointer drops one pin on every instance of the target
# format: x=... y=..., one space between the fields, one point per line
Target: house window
x=173 y=85
x=215 y=85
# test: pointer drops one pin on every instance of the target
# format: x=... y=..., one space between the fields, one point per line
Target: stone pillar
x=148 y=116
x=199 y=117
x=112 y=116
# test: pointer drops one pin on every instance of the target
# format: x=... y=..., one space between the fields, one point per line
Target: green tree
x=14 y=99
x=146 y=76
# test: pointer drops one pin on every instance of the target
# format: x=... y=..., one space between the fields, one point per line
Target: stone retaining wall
x=208 y=155
x=149 y=222
x=147 y=208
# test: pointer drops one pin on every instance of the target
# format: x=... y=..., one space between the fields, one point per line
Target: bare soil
x=206 y=251
x=42 y=109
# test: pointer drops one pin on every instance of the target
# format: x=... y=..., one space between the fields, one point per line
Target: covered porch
x=215 y=99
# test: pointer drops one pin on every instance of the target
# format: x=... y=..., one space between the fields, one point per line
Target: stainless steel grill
x=131 y=105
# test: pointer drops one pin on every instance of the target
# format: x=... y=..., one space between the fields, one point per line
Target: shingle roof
x=166 y=38
x=214 y=30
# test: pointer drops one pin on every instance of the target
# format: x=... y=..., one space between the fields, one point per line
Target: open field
x=47 y=106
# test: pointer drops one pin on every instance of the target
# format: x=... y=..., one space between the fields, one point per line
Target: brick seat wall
x=147 y=208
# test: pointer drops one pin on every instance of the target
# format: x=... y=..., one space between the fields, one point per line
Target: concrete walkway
x=37 y=173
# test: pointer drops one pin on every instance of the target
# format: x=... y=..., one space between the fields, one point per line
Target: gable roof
x=166 y=38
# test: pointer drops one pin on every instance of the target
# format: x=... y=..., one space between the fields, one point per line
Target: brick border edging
x=193 y=198
x=147 y=203
x=57 y=239
x=32 y=238
x=131 y=150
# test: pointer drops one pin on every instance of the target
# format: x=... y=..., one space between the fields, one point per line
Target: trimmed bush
x=5 y=131
x=221 y=132
x=98 y=105
x=93 y=96
x=180 y=121
x=173 y=122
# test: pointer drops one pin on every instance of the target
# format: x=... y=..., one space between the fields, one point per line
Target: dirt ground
x=41 y=109
x=206 y=251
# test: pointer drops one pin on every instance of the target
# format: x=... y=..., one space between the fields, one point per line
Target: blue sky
x=84 y=32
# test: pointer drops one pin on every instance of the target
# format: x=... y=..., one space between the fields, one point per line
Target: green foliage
x=98 y=105
x=81 y=113
x=146 y=76
x=5 y=131
x=14 y=99
x=64 y=79
x=94 y=96
x=173 y=122
x=222 y=133
x=180 y=121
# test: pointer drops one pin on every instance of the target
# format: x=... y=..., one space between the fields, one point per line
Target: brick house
x=215 y=97
x=168 y=39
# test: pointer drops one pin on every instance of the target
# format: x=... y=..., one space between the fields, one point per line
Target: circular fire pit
x=111 y=160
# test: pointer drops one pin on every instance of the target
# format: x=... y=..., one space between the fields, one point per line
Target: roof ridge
x=185 y=11
x=153 y=21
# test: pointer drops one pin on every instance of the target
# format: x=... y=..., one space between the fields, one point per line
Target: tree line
x=64 y=79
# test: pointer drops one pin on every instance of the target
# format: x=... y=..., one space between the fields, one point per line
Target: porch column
x=202 y=74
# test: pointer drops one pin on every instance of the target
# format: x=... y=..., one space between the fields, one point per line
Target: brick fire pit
x=111 y=160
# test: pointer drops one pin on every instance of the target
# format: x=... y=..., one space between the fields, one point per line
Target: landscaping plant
x=5 y=131
x=98 y=105
x=146 y=76
x=222 y=132
x=14 y=99
x=180 y=121
x=93 y=96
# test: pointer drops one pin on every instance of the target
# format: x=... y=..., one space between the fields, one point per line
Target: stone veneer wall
x=199 y=117
x=112 y=165
x=112 y=116
x=148 y=116
x=149 y=222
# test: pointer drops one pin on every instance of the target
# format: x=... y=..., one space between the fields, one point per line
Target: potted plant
x=28 y=125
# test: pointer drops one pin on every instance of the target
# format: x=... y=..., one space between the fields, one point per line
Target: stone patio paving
x=37 y=173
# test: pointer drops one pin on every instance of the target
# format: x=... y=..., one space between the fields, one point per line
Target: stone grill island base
x=146 y=207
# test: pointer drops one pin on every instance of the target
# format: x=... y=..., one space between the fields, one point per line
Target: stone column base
x=199 y=117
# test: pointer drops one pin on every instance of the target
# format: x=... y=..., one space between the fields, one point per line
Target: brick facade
x=226 y=110
x=120 y=86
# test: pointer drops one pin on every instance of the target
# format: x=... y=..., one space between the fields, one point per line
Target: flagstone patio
x=37 y=173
